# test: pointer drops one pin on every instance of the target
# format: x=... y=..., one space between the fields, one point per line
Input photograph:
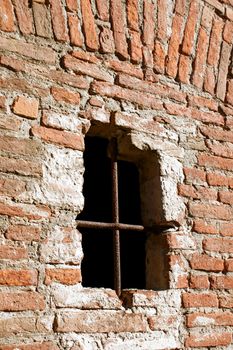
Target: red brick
x=207 y=17
x=89 y=69
x=203 y=340
x=222 y=245
x=200 y=300
x=23 y=233
x=203 y=319
x=163 y=323
x=229 y=13
x=106 y=41
x=10 y=123
x=20 y=146
x=194 y=175
x=215 y=42
x=26 y=107
x=13 y=253
x=132 y=14
x=20 y=301
x=229 y=97
x=228 y=32
x=200 y=59
x=226 y=197
x=229 y=265
x=18 y=277
x=64 y=276
x=184 y=69
x=91 y=38
x=180 y=7
x=7 y=16
x=209 y=83
x=203 y=102
x=226 y=229
x=11 y=188
x=202 y=226
x=162 y=20
x=159 y=57
x=219 y=149
x=58 y=20
x=199 y=282
x=117 y=92
x=217 y=134
x=148 y=24
x=221 y=282
x=188 y=41
x=177 y=109
x=63 y=138
x=27 y=49
x=223 y=70
x=197 y=192
x=206 y=263
x=12 y=63
x=215 y=162
x=226 y=301
x=217 y=5
x=75 y=31
x=222 y=212
x=117 y=17
x=100 y=321
x=25 y=210
x=207 y=117
x=173 y=49
x=22 y=85
x=72 y=5
x=102 y=8
x=24 y=16
x=216 y=179
x=86 y=56
x=63 y=95
x=33 y=346
x=42 y=20
x=20 y=166
x=124 y=67
x=2 y=99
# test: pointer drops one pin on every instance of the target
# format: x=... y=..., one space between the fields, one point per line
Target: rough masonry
x=161 y=71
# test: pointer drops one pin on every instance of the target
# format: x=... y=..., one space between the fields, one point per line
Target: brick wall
x=161 y=71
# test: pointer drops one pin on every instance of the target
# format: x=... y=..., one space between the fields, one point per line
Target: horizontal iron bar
x=111 y=226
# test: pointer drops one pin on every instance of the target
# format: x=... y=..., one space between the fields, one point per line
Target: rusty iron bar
x=109 y=226
x=115 y=216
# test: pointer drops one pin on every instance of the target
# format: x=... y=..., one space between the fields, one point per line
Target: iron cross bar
x=115 y=226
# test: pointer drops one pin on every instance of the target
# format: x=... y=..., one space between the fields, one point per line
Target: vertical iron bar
x=115 y=214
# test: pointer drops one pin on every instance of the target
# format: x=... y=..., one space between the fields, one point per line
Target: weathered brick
x=214 y=339
x=148 y=29
x=223 y=70
x=117 y=92
x=222 y=212
x=89 y=26
x=106 y=40
x=18 y=277
x=135 y=46
x=103 y=11
x=42 y=20
x=159 y=57
x=229 y=265
x=124 y=67
x=11 y=188
x=173 y=49
x=75 y=30
x=20 y=325
x=32 y=346
x=20 y=166
x=72 y=5
x=6 y=16
x=23 y=233
x=13 y=253
x=199 y=101
x=184 y=69
x=190 y=27
x=162 y=20
x=22 y=85
x=199 y=282
x=226 y=229
x=203 y=319
x=28 y=50
x=226 y=197
x=215 y=42
x=86 y=68
x=20 y=301
x=63 y=138
x=165 y=322
x=201 y=226
x=63 y=95
x=210 y=81
x=215 y=162
x=117 y=18
x=222 y=245
x=206 y=263
x=58 y=20
x=100 y=321
x=25 y=210
x=132 y=14
x=180 y=7
x=207 y=17
x=64 y=276
x=194 y=175
x=24 y=16
x=229 y=95
x=20 y=146
x=197 y=192
x=217 y=134
x=226 y=301
x=217 y=179
x=26 y=107
x=228 y=32
x=221 y=282
x=219 y=149
x=200 y=300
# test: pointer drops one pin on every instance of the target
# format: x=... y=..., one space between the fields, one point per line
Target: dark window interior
x=97 y=265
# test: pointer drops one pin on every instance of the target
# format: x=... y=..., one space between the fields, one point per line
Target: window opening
x=116 y=183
